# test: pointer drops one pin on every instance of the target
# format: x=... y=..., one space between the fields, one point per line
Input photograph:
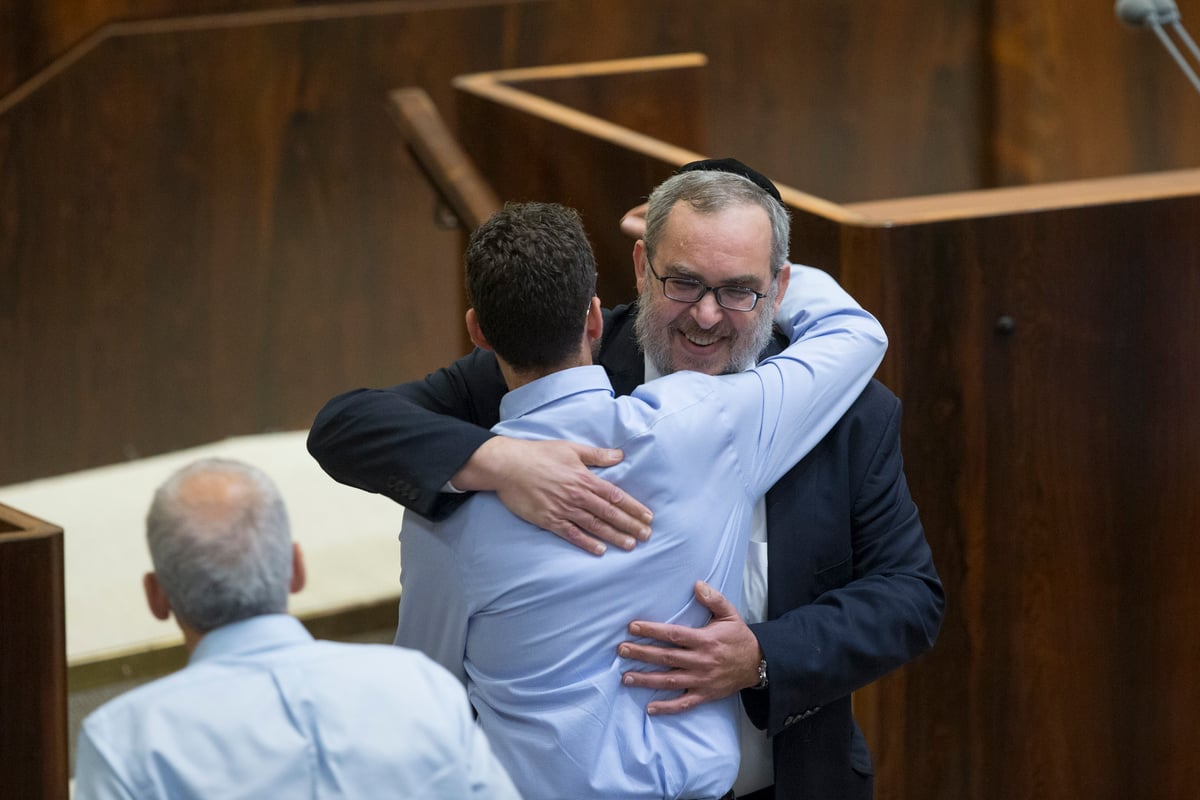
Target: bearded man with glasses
x=840 y=585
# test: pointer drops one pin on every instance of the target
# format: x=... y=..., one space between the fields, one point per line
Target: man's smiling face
x=730 y=247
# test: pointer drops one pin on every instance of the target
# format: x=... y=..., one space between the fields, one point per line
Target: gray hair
x=708 y=192
x=221 y=543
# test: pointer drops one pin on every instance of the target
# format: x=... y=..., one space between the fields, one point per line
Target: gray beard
x=655 y=341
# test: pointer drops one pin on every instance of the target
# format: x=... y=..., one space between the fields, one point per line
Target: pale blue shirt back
x=262 y=710
x=533 y=624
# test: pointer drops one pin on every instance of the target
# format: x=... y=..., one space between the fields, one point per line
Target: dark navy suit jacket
x=852 y=589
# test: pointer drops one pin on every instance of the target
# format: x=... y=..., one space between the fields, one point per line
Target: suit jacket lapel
x=619 y=352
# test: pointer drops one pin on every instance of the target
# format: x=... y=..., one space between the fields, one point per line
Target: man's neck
x=516 y=378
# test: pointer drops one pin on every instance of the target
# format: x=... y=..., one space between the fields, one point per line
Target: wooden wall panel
x=852 y=101
x=211 y=232
x=548 y=174
x=1054 y=468
x=1078 y=94
x=209 y=219
x=34 y=35
x=564 y=146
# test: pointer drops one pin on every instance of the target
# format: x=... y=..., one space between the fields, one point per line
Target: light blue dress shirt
x=264 y=711
x=532 y=624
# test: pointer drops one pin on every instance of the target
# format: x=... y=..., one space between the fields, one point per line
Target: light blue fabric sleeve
x=487 y=775
x=800 y=394
x=95 y=776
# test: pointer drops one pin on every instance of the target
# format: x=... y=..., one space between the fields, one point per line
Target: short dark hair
x=531 y=276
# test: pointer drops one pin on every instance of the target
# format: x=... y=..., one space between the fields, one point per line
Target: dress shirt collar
x=553 y=387
x=264 y=632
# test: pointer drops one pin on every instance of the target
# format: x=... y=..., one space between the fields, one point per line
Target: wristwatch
x=762 y=674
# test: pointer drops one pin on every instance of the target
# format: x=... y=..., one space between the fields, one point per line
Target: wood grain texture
x=443 y=161
x=1081 y=95
x=210 y=194
x=564 y=144
x=210 y=223
x=194 y=254
x=1055 y=471
x=33 y=659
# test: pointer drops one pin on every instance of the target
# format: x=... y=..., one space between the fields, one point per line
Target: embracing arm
x=409 y=441
x=885 y=612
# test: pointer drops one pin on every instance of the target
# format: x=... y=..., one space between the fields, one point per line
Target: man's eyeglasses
x=687 y=290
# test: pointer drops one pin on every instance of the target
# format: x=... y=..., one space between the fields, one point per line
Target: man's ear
x=299 y=573
x=784 y=278
x=156 y=598
x=639 y=263
x=595 y=321
x=475 y=332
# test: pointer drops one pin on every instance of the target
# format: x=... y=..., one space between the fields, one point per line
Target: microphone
x=1155 y=14
x=1147 y=12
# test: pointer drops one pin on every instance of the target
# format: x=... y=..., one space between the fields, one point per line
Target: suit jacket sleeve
x=872 y=612
x=407 y=441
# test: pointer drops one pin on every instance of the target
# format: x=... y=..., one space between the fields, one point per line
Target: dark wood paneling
x=33 y=659
x=556 y=158
x=211 y=225
x=851 y=101
x=669 y=107
x=1078 y=94
x=34 y=35
x=1054 y=466
x=211 y=232
x=563 y=151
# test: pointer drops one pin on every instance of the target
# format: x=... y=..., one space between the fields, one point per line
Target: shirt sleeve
x=96 y=777
x=405 y=442
x=800 y=394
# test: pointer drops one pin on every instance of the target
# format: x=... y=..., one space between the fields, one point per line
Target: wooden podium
x=1045 y=341
x=33 y=659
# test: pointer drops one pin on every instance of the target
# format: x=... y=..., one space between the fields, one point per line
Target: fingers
x=714 y=601
x=617 y=506
x=675 y=680
x=677 y=635
x=682 y=703
x=603 y=510
x=593 y=536
x=649 y=654
x=694 y=688
x=580 y=539
x=597 y=456
x=633 y=224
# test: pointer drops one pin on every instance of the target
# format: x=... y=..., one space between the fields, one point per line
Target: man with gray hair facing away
x=262 y=709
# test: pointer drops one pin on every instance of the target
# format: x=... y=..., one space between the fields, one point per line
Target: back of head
x=531 y=276
x=711 y=186
x=221 y=544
